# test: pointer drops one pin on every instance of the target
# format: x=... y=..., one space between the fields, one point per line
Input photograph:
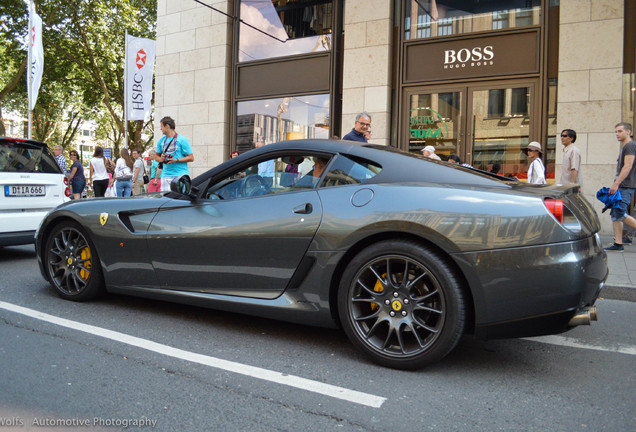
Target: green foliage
x=83 y=63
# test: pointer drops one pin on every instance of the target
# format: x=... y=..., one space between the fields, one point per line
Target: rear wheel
x=401 y=304
x=72 y=264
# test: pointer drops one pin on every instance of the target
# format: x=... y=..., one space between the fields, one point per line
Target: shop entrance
x=485 y=124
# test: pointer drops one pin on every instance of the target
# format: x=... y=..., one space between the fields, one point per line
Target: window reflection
x=431 y=18
x=501 y=123
x=435 y=120
x=279 y=119
x=284 y=27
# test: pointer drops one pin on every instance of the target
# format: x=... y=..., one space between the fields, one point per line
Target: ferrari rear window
x=26 y=157
x=349 y=170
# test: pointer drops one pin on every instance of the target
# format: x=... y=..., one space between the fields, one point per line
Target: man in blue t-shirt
x=174 y=152
x=363 y=123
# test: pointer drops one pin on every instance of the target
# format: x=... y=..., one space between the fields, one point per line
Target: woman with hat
x=536 y=170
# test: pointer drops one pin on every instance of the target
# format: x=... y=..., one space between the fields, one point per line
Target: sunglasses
x=564 y=136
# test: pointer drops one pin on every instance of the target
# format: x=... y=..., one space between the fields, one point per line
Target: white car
x=32 y=184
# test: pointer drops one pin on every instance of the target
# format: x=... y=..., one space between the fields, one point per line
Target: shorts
x=165 y=183
x=619 y=214
x=78 y=186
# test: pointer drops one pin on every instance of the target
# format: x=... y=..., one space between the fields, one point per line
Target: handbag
x=146 y=178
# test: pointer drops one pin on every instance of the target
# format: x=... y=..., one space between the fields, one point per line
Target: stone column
x=367 y=65
x=193 y=75
x=589 y=89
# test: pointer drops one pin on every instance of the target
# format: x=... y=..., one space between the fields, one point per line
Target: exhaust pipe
x=584 y=317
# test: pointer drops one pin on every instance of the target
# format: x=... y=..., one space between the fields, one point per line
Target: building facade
x=480 y=79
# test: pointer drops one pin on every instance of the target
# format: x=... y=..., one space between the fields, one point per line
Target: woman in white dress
x=536 y=170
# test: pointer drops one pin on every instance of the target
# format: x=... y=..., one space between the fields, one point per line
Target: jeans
x=124 y=188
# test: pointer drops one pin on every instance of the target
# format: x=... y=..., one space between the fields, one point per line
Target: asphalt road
x=153 y=365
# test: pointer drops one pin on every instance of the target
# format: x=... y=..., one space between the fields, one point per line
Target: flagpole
x=126 y=89
x=28 y=71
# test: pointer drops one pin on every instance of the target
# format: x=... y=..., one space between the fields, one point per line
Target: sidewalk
x=621 y=282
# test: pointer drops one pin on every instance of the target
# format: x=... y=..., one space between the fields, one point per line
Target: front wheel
x=402 y=304
x=71 y=263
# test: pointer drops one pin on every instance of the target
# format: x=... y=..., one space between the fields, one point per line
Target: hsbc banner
x=140 y=65
x=37 y=58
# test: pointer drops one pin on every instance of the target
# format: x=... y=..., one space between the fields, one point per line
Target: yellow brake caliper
x=377 y=288
x=85 y=255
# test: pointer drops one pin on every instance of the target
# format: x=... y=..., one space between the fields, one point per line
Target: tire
x=401 y=322
x=72 y=264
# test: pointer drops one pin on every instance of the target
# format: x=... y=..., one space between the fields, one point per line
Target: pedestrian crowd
x=128 y=175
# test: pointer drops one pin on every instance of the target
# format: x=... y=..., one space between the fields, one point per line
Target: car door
x=237 y=240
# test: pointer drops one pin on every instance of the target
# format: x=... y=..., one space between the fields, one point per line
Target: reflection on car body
x=405 y=254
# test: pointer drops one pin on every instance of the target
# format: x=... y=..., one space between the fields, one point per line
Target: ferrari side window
x=347 y=170
x=271 y=176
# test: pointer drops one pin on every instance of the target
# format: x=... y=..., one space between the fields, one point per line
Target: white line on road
x=575 y=343
x=230 y=366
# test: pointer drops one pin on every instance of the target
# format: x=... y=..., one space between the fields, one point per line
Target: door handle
x=304 y=209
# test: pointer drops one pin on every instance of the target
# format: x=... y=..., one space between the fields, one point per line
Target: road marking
x=575 y=343
x=230 y=366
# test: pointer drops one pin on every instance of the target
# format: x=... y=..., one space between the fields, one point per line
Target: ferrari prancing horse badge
x=103 y=218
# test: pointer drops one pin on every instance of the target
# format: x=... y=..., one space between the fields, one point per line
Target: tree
x=84 y=61
x=91 y=35
x=14 y=59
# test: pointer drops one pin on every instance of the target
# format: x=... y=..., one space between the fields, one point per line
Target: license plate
x=25 y=191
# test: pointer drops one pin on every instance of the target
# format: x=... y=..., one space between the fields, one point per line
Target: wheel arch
x=399 y=235
x=50 y=226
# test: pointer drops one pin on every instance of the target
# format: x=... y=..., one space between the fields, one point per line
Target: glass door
x=502 y=121
x=488 y=125
x=436 y=116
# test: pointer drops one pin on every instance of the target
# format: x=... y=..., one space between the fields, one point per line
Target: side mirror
x=181 y=185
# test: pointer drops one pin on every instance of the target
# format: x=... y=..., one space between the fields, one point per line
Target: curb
x=619 y=292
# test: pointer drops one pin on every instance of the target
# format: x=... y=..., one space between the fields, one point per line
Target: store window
x=280 y=119
x=432 y=18
x=279 y=28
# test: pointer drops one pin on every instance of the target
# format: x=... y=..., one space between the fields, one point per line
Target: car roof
x=397 y=165
x=23 y=140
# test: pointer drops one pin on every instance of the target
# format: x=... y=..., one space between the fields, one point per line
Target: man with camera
x=173 y=153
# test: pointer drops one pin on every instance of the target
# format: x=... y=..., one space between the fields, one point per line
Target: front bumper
x=534 y=290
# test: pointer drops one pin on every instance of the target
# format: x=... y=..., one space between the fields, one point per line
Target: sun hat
x=535 y=146
x=429 y=148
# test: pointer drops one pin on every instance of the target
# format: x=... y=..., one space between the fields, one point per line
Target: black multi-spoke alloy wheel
x=402 y=304
x=72 y=264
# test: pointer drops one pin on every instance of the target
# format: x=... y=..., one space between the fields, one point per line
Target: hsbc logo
x=140 y=59
x=475 y=57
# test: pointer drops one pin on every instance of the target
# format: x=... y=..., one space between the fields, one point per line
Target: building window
x=500 y=20
x=279 y=119
x=431 y=18
x=519 y=101
x=280 y=28
x=496 y=102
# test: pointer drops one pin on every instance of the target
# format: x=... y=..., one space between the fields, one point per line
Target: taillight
x=563 y=214
x=556 y=208
x=67 y=191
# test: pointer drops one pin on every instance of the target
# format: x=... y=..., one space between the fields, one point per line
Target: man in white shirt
x=138 y=173
x=571 y=166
